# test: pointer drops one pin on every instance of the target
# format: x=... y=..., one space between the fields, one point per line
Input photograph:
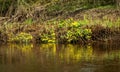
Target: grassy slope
x=61 y=22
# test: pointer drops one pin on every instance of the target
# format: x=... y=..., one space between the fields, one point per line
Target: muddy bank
x=92 y=25
x=54 y=34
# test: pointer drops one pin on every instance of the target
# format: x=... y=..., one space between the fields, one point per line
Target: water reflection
x=57 y=58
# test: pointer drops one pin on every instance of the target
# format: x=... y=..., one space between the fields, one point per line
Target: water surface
x=60 y=58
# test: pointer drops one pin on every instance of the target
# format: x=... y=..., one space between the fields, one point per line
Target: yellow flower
x=75 y=23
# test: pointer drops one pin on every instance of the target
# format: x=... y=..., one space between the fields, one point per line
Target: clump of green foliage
x=78 y=34
x=48 y=38
x=68 y=30
x=22 y=38
x=74 y=30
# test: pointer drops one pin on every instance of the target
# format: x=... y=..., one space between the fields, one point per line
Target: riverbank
x=91 y=25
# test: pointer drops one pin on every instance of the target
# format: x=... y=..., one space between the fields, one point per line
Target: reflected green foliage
x=68 y=53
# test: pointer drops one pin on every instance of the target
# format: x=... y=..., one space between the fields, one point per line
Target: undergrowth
x=61 y=31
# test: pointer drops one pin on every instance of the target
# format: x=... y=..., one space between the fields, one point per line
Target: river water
x=99 y=57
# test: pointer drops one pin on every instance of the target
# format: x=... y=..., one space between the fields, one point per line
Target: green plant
x=48 y=38
x=22 y=38
x=87 y=33
x=28 y=21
